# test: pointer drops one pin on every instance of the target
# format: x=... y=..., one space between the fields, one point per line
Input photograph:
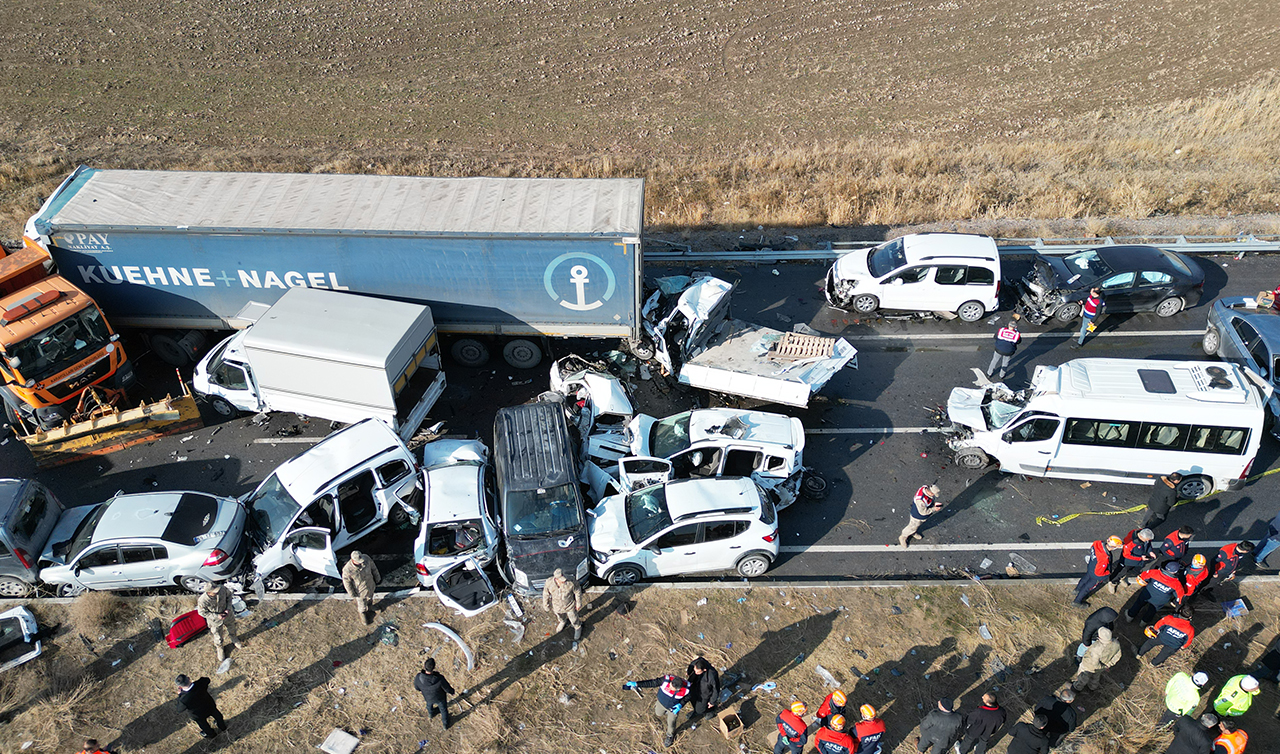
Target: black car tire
x=1067 y=312
x=814 y=487
x=522 y=354
x=1194 y=487
x=278 y=580
x=972 y=458
x=1211 y=341
x=222 y=407
x=1169 y=307
x=624 y=575
x=865 y=303
x=971 y=311
x=470 y=352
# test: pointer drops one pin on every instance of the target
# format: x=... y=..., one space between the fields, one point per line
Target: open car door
x=636 y=472
x=19 y=637
x=464 y=587
x=311 y=549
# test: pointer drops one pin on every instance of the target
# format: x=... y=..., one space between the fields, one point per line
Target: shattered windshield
x=271 y=508
x=544 y=512
x=60 y=346
x=998 y=413
x=669 y=436
x=647 y=512
x=885 y=259
x=1086 y=267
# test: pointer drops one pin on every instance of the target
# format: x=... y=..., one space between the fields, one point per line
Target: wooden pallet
x=794 y=346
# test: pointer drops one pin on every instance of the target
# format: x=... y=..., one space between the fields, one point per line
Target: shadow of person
x=979 y=489
x=619 y=601
x=1228 y=652
x=120 y=655
x=902 y=682
x=267 y=623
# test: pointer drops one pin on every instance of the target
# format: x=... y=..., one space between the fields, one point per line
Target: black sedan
x=1132 y=279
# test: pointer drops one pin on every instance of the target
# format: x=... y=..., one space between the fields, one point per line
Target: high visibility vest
x=1234 y=700
x=1181 y=695
x=869 y=733
x=1231 y=743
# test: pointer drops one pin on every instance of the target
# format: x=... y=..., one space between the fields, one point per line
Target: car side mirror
x=656 y=550
x=76 y=569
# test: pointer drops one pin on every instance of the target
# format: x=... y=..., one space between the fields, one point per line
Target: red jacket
x=1194 y=578
x=1162 y=583
x=869 y=733
x=1172 y=630
x=1135 y=550
x=1224 y=564
x=792 y=728
x=1174 y=547
x=828 y=741
x=829 y=708
x=1101 y=559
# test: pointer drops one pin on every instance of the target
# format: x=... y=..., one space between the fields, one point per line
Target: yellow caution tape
x=1042 y=520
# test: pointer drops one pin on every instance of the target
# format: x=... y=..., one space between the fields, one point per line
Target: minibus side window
x=1163 y=436
x=1225 y=440
x=1100 y=432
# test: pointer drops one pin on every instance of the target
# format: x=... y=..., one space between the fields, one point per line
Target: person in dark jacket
x=981 y=725
x=1007 y=339
x=704 y=686
x=1030 y=738
x=1191 y=736
x=1061 y=715
x=194 y=697
x=940 y=729
x=1164 y=495
x=1103 y=617
x=1101 y=560
x=435 y=690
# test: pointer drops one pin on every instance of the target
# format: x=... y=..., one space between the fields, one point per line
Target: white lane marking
x=871 y=430
x=1029 y=335
x=966 y=547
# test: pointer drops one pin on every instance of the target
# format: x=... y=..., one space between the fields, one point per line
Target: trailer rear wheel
x=470 y=352
x=177 y=348
x=522 y=354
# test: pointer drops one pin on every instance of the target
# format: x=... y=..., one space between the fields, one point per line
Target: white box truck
x=339 y=356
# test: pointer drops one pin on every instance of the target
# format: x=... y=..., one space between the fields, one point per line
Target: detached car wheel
x=971 y=311
x=624 y=575
x=865 y=304
x=972 y=458
x=1067 y=312
x=814 y=487
x=1211 y=342
x=753 y=566
x=1169 y=307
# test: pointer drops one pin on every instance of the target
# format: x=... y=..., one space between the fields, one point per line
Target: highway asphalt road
x=864 y=438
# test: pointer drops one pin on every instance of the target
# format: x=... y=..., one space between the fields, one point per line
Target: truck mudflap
x=100 y=427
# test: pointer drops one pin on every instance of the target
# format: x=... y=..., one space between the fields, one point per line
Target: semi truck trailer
x=501 y=262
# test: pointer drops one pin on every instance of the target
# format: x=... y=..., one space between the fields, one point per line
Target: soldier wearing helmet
x=793 y=734
x=869 y=730
x=831 y=738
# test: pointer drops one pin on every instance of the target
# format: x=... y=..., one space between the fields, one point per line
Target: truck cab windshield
x=60 y=346
x=885 y=259
x=271 y=508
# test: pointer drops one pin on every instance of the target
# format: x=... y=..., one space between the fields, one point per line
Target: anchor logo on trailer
x=579 y=276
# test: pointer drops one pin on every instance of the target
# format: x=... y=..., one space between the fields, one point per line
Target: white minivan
x=1117 y=420
x=922 y=272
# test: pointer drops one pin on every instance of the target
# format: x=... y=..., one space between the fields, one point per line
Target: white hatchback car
x=922 y=272
x=687 y=526
x=458 y=516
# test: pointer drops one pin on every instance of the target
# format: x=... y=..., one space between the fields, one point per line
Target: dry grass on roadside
x=309 y=667
x=1204 y=156
x=93 y=612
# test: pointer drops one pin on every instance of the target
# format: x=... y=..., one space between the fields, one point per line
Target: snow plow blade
x=112 y=431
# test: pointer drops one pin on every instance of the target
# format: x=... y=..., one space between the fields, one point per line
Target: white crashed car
x=594 y=400
x=710 y=442
x=681 y=527
x=458 y=520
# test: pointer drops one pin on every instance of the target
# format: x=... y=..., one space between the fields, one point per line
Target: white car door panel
x=311 y=549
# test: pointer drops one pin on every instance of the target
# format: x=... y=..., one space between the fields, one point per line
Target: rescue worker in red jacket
x=1227 y=561
x=1099 y=563
x=831 y=706
x=831 y=738
x=1173 y=632
x=1161 y=587
x=1174 y=546
x=1135 y=557
x=793 y=734
x=673 y=693
x=1195 y=577
x=869 y=730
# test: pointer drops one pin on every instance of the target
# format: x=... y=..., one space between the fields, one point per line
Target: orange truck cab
x=54 y=342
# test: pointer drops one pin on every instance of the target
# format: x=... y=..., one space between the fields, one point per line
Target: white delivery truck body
x=338 y=356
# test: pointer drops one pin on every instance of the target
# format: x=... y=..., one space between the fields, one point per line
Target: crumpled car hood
x=853 y=265
x=964 y=407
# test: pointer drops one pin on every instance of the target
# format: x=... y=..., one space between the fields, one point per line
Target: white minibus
x=1117 y=420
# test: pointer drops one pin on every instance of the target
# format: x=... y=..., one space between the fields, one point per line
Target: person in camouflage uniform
x=215 y=607
x=359 y=577
x=564 y=599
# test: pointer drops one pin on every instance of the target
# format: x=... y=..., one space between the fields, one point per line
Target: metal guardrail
x=1008 y=246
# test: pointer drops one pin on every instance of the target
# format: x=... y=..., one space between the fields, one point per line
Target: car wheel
x=972 y=458
x=470 y=352
x=222 y=407
x=641 y=348
x=1169 y=307
x=397 y=516
x=814 y=487
x=11 y=416
x=753 y=566
x=193 y=584
x=522 y=354
x=1067 y=312
x=278 y=581
x=70 y=590
x=1194 y=487
x=971 y=311
x=624 y=575
x=1212 y=340
x=11 y=588
x=865 y=304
